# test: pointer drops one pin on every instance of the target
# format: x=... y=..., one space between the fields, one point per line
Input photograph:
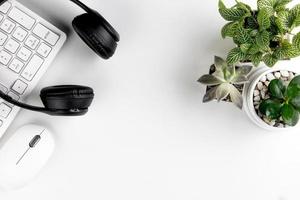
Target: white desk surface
x=148 y=136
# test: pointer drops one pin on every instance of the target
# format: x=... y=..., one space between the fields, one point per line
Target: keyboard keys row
x=46 y=34
x=21 y=18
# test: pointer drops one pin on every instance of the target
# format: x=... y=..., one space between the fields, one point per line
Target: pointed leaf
x=236 y=97
x=239 y=80
x=268 y=5
x=210 y=95
x=222 y=91
x=220 y=63
x=243 y=36
x=245 y=47
x=256 y=58
x=210 y=80
x=244 y=70
x=232 y=14
x=296 y=41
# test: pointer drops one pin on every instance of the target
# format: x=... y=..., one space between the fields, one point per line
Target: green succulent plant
x=264 y=34
x=222 y=83
x=284 y=101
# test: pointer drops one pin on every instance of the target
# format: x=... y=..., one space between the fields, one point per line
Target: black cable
x=80 y=4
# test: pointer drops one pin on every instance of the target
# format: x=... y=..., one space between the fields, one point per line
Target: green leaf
x=280 y=4
x=243 y=36
x=295 y=81
x=229 y=29
x=232 y=14
x=256 y=58
x=263 y=40
x=234 y=56
x=290 y=115
x=263 y=19
x=210 y=80
x=254 y=49
x=239 y=80
x=245 y=47
x=270 y=108
x=283 y=21
x=210 y=95
x=277 y=88
x=294 y=96
x=295 y=15
x=268 y=5
x=296 y=41
x=221 y=5
x=270 y=60
x=243 y=6
x=286 y=51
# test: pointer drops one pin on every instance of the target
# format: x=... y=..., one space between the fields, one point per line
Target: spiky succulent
x=264 y=34
x=223 y=81
x=284 y=101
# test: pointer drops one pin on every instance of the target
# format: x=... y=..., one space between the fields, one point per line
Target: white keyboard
x=28 y=44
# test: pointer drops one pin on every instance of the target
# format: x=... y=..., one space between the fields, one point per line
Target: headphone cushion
x=67 y=97
x=94 y=32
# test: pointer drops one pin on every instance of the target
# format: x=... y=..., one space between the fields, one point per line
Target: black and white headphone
x=74 y=100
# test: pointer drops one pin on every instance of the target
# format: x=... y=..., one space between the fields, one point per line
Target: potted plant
x=262 y=37
x=272 y=98
x=265 y=34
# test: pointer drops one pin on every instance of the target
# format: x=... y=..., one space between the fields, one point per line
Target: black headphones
x=74 y=100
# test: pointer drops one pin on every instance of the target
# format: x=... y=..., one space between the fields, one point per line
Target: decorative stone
x=277 y=75
x=270 y=77
x=260 y=85
x=263 y=79
x=257 y=98
x=263 y=94
x=284 y=73
x=267 y=83
x=256 y=93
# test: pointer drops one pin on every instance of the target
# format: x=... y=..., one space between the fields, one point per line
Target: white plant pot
x=249 y=88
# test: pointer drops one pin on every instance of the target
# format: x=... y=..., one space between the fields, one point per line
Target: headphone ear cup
x=96 y=33
x=67 y=97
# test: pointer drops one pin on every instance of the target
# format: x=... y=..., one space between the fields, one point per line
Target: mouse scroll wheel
x=34 y=141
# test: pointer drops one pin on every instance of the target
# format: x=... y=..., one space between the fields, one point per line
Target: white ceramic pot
x=249 y=88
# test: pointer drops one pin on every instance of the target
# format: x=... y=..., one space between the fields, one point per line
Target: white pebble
x=265 y=88
x=263 y=94
x=257 y=98
x=272 y=123
x=267 y=83
x=255 y=103
x=263 y=79
x=256 y=93
x=285 y=73
x=260 y=85
x=277 y=75
x=270 y=77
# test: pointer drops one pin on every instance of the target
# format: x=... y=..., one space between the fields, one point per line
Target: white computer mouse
x=24 y=155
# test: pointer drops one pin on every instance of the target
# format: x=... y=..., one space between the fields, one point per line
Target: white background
x=148 y=136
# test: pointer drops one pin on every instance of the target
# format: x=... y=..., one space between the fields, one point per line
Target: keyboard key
x=32 y=42
x=16 y=65
x=5 y=7
x=20 y=34
x=24 y=54
x=46 y=34
x=32 y=67
x=4 y=110
x=14 y=96
x=21 y=18
x=3 y=89
x=8 y=26
x=19 y=87
x=44 y=50
x=5 y=57
x=3 y=38
x=12 y=46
